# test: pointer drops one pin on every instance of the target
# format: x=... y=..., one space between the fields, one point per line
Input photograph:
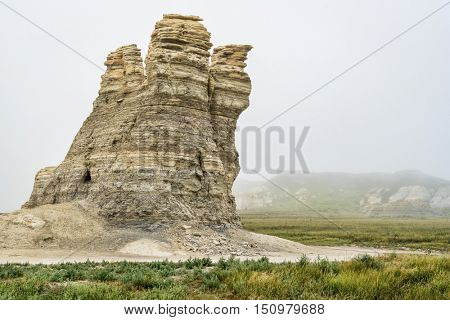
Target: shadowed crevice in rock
x=159 y=144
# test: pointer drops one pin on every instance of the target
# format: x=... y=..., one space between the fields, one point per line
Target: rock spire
x=159 y=144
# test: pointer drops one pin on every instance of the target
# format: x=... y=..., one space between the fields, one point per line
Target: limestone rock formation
x=441 y=199
x=406 y=201
x=159 y=144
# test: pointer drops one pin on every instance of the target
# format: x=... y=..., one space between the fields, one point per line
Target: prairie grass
x=365 y=277
x=423 y=234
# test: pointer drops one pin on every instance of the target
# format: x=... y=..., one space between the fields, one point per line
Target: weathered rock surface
x=406 y=201
x=441 y=199
x=159 y=144
x=411 y=193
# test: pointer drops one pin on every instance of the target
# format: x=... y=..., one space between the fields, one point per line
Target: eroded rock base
x=75 y=232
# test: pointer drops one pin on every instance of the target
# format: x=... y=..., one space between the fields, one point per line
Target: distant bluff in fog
x=404 y=193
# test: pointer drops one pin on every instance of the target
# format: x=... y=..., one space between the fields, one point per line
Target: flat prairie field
x=412 y=233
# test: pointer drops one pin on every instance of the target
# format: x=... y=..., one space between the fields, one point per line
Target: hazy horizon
x=391 y=113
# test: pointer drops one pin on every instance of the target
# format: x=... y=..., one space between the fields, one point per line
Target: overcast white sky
x=390 y=113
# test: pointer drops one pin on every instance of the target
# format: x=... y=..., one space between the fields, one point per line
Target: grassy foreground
x=424 y=234
x=388 y=277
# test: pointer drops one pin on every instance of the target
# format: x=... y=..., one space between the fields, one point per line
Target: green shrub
x=211 y=281
x=199 y=263
x=226 y=264
x=9 y=271
x=328 y=267
x=363 y=262
x=303 y=261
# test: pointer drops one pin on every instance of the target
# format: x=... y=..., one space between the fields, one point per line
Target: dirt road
x=52 y=256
